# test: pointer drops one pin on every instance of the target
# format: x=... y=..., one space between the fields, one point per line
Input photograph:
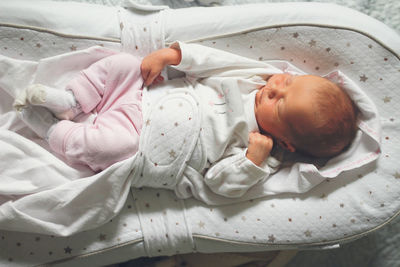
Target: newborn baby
x=244 y=111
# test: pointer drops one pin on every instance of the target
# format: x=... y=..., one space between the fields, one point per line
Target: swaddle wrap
x=169 y=135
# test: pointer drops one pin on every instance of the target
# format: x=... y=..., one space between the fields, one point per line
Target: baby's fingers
x=261 y=140
x=145 y=74
x=149 y=77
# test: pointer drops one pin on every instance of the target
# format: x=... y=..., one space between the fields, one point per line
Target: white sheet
x=51 y=190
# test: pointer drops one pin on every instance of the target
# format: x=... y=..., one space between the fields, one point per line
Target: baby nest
x=318 y=38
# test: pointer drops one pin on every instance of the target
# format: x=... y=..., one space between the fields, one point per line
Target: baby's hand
x=154 y=63
x=259 y=147
x=151 y=67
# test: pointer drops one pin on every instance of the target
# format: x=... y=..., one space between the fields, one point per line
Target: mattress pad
x=154 y=222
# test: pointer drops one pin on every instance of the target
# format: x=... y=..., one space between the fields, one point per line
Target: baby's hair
x=334 y=125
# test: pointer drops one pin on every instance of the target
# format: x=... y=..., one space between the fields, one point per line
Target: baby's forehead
x=311 y=80
x=301 y=101
x=313 y=87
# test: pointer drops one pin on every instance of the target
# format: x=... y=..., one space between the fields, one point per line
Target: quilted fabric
x=170 y=132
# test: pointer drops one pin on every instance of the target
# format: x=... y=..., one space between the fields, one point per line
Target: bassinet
x=315 y=37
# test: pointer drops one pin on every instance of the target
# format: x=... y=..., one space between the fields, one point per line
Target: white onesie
x=223 y=87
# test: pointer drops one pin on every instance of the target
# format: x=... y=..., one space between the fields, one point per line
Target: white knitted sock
x=61 y=102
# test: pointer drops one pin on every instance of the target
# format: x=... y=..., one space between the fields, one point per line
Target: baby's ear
x=287 y=145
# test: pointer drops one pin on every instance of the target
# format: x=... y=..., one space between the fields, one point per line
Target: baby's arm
x=153 y=64
x=235 y=173
x=200 y=61
x=259 y=147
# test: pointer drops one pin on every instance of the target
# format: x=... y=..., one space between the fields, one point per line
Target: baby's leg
x=112 y=138
x=98 y=87
x=108 y=83
x=111 y=86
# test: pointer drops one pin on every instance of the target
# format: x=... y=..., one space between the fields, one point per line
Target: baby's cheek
x=278 y=79
x=274 y=82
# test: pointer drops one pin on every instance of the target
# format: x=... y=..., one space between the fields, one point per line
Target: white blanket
x=48 y=195
x=51 y=197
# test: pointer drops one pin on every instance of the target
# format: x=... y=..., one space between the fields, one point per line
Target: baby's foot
x=61 y=102
x=36 y=94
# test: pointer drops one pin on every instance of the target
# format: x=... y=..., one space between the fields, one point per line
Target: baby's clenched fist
x=259 y=147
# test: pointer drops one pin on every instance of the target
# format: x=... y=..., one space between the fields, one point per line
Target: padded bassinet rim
x=115 y=40
x=60 y=34
x=303 y=245
x=391 y=49
x=386 y=37
x=299 y=14
x=203 y=243
x=44 y=12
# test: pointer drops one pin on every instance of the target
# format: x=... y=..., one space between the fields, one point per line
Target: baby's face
x=285 y=99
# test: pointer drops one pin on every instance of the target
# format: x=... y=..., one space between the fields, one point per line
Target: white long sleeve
x=234 y=175
x=201 y=61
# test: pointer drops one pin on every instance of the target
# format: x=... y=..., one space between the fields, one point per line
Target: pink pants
x=113 y=88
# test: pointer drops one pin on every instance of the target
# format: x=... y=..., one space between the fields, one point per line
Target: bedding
x=364 y=203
